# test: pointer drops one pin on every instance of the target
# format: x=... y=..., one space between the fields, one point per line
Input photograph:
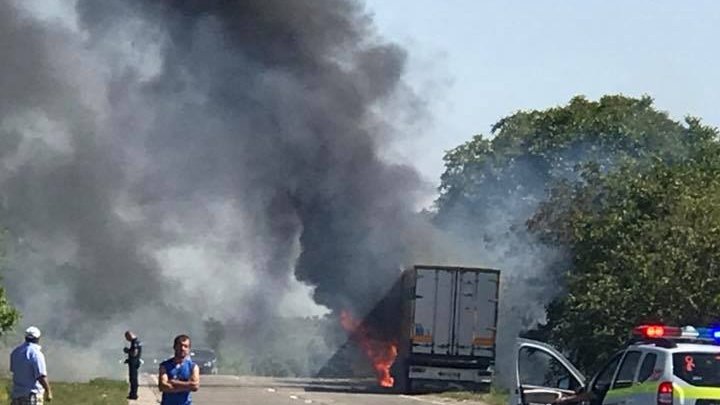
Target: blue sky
x=477 y=60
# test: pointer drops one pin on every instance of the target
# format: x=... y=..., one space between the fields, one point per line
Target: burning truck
x=435 y=330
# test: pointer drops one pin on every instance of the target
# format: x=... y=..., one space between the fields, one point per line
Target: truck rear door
x=455 y=311
x=434 y=292
x=476 y=313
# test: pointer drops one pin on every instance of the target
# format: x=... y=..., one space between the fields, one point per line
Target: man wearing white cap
x=27 y=363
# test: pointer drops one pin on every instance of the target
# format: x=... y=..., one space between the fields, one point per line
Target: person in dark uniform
x=178 y=375
x=134 y=353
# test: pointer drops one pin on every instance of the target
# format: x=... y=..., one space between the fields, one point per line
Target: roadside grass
x=95 y=392
x=495 y=396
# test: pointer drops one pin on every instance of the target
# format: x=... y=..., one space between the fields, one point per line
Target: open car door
x=542 y=374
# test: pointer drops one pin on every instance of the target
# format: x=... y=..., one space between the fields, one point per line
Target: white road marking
x=293 y=396
x=271 y=390
x=423 y=400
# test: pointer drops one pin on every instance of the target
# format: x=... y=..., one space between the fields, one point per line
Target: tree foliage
x=530 y=149
x=631 y=195
x=645 y=248
x=9 y=315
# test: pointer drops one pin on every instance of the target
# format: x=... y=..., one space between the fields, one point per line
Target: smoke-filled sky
x=202 y=156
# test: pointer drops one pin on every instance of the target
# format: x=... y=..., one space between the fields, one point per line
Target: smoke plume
x=162 y=162
x=194 y=157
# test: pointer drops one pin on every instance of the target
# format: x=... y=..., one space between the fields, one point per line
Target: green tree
x=645 y=248
x=485 y=178
x=575 y=157
x=9 y=315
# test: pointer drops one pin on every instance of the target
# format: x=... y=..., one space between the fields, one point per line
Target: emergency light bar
x=670 y=332
x=709 y=333
x=657 y=331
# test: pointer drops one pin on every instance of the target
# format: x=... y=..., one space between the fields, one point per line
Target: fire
x=382 y=354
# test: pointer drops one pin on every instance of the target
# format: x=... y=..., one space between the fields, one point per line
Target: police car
x=661 y=365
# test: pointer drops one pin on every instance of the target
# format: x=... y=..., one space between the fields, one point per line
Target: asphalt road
x=220 y=390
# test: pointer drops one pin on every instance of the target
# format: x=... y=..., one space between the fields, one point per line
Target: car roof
x=203 y=351
x=692 y=347
x=680 y=347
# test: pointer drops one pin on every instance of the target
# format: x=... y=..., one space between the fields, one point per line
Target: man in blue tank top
x=178 y=376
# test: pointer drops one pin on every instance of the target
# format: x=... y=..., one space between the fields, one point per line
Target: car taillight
x=665 y=393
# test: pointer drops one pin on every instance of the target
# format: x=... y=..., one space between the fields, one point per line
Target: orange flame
x=382 y=354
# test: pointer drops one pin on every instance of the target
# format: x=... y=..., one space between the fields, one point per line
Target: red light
x=657 y=331
x=665 y=393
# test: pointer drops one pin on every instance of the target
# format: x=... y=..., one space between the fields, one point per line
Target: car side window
x=604 y=377
x=539 y=368
x=647 y=367
x=626 y=373
x=601 y=382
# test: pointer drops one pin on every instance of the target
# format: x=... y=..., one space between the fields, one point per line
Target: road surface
x=223 y=389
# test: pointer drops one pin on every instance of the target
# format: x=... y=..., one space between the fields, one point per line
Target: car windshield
x=203 y=354
x=700 y=369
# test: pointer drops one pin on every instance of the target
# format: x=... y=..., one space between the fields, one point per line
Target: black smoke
x=197 y=156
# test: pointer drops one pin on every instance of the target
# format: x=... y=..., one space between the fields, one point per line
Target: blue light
x=709 y=333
